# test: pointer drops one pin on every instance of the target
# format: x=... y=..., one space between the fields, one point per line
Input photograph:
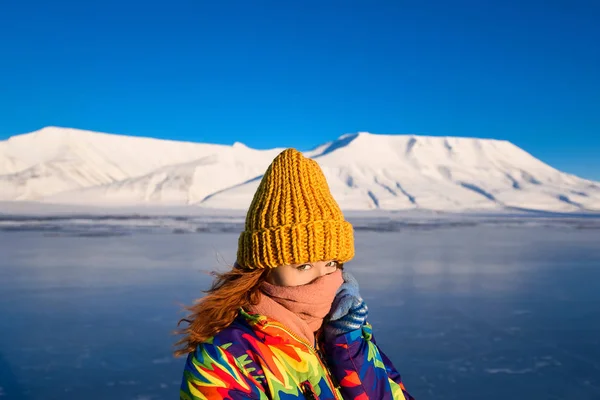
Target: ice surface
x=466 y=310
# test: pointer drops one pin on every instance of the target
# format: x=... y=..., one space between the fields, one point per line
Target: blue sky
x=299 y=73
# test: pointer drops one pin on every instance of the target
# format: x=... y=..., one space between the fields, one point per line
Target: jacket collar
x=272 y=331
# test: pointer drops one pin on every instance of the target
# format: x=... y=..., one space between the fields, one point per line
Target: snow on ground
x=365 y=172
x=90 y=221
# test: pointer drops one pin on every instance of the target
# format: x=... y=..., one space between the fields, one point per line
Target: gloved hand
x=348 y=311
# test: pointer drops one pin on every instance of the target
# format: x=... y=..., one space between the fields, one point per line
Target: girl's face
x=300 y=274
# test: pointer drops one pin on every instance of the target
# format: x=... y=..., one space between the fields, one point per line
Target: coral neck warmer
x=300 y=308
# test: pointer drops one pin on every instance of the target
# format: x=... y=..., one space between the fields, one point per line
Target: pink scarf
x=299 y=308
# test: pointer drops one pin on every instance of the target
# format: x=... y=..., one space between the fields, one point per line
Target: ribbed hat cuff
x=297 y=243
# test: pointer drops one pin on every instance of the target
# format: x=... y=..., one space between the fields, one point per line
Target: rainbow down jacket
x=258 y=358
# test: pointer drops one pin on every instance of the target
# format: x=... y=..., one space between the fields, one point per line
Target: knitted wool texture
x=293 y=218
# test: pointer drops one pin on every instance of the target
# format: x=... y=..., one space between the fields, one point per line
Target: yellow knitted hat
x=293 y=218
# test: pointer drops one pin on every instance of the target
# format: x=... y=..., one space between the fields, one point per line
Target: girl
x=286 y=322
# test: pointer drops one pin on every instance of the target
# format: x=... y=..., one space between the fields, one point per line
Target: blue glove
x=348 y=311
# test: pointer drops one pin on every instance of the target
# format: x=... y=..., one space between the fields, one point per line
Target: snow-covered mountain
x=364 y=171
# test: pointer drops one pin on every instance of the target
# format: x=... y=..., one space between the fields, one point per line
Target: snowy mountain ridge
x=364 y=171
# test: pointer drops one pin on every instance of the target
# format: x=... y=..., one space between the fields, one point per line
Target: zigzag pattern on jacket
x=258 y=358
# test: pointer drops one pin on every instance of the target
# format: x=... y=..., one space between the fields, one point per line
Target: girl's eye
x=332 y=264
x=304 y=267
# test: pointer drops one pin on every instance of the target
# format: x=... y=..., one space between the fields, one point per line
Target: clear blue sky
x=299 y=73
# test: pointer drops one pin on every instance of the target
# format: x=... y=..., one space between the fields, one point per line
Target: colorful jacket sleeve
x=362 y=370
x=212 y=373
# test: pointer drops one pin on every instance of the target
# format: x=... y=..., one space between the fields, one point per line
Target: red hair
x=214 y=312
